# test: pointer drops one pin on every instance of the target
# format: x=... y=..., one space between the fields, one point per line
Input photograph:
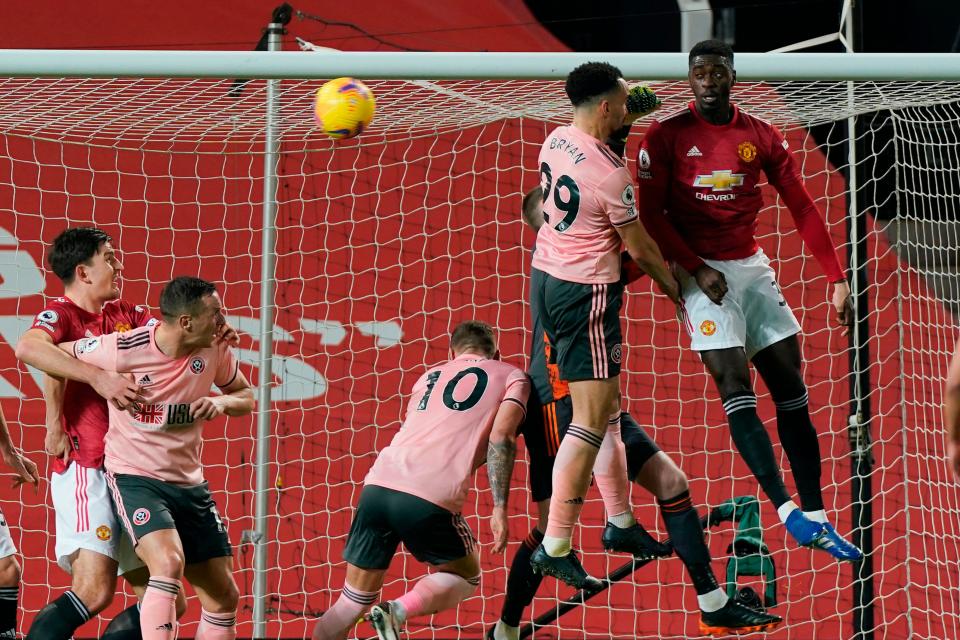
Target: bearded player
x=634 y=456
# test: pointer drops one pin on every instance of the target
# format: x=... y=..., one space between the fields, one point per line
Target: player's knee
x=9 y=572
x=226 y=599
x=732 y=382
x=673 y=483
x=730 y=376
x=95 y=596
x=789 y=393
x=167 y=563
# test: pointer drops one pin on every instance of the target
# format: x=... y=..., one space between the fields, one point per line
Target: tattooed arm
x=501 y=452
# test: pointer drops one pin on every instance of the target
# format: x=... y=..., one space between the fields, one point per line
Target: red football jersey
x=704 y=178
x=85 y=417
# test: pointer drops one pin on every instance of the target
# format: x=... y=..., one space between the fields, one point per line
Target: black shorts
x=582 y=322
x=144 y=505
x=544 y=428
x=385 y=518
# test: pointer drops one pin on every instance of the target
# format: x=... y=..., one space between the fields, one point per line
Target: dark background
x=755 y=25
x=763 y=25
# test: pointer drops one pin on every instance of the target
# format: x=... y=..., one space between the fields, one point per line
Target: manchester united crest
x=708 y=327
x=747 y=151
x=104 y=533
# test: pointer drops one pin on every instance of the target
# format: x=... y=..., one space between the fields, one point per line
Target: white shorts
x=753 y=314
x=7 y=548
x=86 y=520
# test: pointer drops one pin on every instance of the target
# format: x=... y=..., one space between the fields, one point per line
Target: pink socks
x=158 y=613
x=336 y=623
x=217 y=626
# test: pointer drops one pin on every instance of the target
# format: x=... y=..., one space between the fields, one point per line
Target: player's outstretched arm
x=25 y=469
x=237 y=400
x=951 y=411
x=501 y=453
x=646 y=254
x=36 y=348
x=784 y=175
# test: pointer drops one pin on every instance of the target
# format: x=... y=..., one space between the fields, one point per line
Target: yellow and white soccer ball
x=344 y=107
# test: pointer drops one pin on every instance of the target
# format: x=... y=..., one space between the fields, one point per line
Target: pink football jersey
x=444 y=436
x=587 y=193
x=160 y=439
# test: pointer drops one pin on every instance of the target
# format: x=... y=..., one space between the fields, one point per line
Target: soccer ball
x=344 y=107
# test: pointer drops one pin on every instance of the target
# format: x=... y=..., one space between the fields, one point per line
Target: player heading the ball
x=589 y=211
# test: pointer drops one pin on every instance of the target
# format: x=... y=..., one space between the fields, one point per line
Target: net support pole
x=858 y=426
x=267 y=275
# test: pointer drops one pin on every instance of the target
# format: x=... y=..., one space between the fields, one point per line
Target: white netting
x=386 y=241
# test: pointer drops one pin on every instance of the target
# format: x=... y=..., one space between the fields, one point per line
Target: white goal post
x=385 y=240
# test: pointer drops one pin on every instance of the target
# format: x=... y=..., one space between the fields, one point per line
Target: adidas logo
x=694 y=152
x=166 y=626
x=576 y=500
x=145 y=380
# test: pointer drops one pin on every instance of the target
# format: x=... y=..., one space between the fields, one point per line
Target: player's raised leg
x=780 y=366
x=656 y=472
x=728 y=367
x=593 y=402
x=622 y=532
x=451 y=583
x=371 y=545
x=361 y=590
x=719 y=615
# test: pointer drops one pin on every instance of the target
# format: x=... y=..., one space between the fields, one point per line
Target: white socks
x=556 y=547
x=816 y=516
x=623 y=520
x=503 y=631
x=786 y=509
x=712 y=601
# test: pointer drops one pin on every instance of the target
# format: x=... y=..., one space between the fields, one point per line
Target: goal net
x=384 y=242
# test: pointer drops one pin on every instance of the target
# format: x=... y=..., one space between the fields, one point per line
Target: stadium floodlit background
x=375 y=267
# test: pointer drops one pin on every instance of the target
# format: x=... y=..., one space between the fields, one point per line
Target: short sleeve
x=141 y=317
x=54 y=321
x=616 y=197
x=227 y=367
x=653 y=158
x=100 y=351
x=517 y=388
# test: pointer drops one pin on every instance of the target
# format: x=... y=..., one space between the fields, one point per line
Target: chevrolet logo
x=720 y=180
